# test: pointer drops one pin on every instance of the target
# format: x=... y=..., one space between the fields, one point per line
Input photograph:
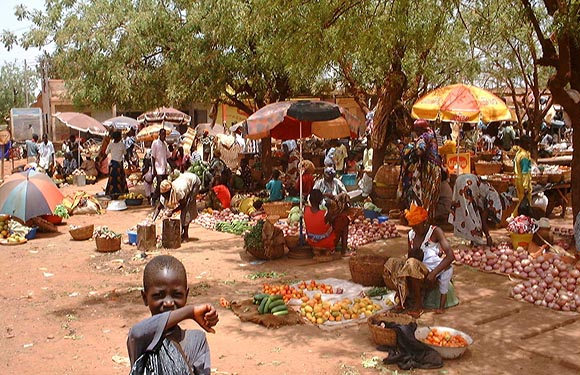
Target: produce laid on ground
x=238 y=227
x=208 y=218
x=270 y=304
x=549 y=280
x=11 y=231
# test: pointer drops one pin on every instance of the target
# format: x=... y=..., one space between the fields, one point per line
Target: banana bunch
x=131 y=196
x=270 y=304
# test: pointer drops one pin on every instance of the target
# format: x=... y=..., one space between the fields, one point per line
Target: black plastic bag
x=525 y=208
x=167 y=360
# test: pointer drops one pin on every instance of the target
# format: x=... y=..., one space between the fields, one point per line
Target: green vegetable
x=253 y=238
x=278 y=308
x=60 y=210
x=283 y=312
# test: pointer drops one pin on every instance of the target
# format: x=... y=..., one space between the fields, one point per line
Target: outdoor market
x=330 y=241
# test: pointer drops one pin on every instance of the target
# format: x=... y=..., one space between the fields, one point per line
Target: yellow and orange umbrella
x=462 y=103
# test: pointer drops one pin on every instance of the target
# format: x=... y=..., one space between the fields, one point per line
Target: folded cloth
x=410 y=353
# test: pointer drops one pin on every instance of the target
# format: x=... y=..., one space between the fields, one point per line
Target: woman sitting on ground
x=428 y=262
x=325 y=228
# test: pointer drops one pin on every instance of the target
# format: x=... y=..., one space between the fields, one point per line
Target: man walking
x=159 y=156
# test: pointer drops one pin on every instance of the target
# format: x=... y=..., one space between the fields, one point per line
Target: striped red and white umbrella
x=29 y=194
x=303 y=119
x=164 y=114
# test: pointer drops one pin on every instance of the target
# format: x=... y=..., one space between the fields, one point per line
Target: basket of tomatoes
x=448 y=342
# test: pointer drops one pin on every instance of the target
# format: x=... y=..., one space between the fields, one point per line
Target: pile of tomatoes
x=446 y=339
x=289 y=292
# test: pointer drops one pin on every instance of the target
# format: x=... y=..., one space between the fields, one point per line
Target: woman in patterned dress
x=421 y=170
x=475 y=202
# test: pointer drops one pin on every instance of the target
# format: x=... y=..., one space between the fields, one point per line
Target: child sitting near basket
x=158 y=341
x=275 y=187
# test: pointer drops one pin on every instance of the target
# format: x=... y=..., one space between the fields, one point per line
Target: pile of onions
x=208 y=221
x=550 y=281
x=362 y=231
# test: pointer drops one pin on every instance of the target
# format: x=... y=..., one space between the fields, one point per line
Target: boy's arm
x=205 y=315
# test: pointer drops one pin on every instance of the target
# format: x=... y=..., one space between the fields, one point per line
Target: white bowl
x=446 y=352
x=117 y=205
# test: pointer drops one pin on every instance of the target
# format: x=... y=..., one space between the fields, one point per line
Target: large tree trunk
x=266 y=157
x=393 y=88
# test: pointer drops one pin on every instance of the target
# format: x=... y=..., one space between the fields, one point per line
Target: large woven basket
x=277 y=208
x=82 y=233
x=385 y=191
x=108 y=245
x=367 y=270
x=487 y=168
x=386 y=204
x=292 y=241
x=386 y=336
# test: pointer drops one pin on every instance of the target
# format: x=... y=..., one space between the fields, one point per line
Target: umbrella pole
x=79 y=152
x=300 y=172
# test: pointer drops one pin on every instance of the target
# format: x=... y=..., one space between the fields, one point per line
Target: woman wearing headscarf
x=428 y=262
x=421 y=170
x=117 y=183
x=179 y=195
x=329 y=185
x=474 y=202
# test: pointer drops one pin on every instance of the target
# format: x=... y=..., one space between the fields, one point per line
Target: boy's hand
x=206 y=316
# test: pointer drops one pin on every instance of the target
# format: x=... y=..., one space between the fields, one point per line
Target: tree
x=17 y=87
x=559 y=39
x=383 y=53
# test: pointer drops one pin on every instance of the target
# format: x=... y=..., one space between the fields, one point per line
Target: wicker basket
x=367 y=270
x=554 y=177
x=108 y=245
x=385 y=191
x=292 y=241
x=277 y=208
x=486 y=156
x=540 y=179
x=487 y=168
x=394 y=213
x=566 y=175
x=386 y=204
x=501 y=186
x=82 y=233
x=386 y=336
x=273 y=219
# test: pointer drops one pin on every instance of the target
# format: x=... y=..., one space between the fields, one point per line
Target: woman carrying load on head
x=117 y=183
x=421 y=170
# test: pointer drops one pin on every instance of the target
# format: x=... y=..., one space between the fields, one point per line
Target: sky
x=8 y=21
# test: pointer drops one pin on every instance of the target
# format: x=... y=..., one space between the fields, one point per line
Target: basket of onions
x=522 y=229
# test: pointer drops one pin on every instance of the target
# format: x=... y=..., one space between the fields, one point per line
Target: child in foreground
x=158 y=342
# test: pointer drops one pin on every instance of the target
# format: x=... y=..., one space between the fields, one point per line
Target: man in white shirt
x=45 y=153
x=159 y=156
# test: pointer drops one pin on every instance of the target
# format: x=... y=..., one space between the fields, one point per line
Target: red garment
x=307 y=183
x=315 y=225
x=223 y=194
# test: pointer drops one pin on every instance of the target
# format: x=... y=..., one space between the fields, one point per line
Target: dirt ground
x=67 y=309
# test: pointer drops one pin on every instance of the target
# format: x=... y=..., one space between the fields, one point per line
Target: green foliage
x=16 y=85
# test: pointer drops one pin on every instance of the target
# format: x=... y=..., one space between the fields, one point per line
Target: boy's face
x=167 y=291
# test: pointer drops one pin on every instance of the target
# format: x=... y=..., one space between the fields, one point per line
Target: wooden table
x=556 y=160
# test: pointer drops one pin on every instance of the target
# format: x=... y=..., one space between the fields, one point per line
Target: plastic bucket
x=31 y=233
x=371 y=214
x=521 y=240
x=132 y=237
x=382 y=219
